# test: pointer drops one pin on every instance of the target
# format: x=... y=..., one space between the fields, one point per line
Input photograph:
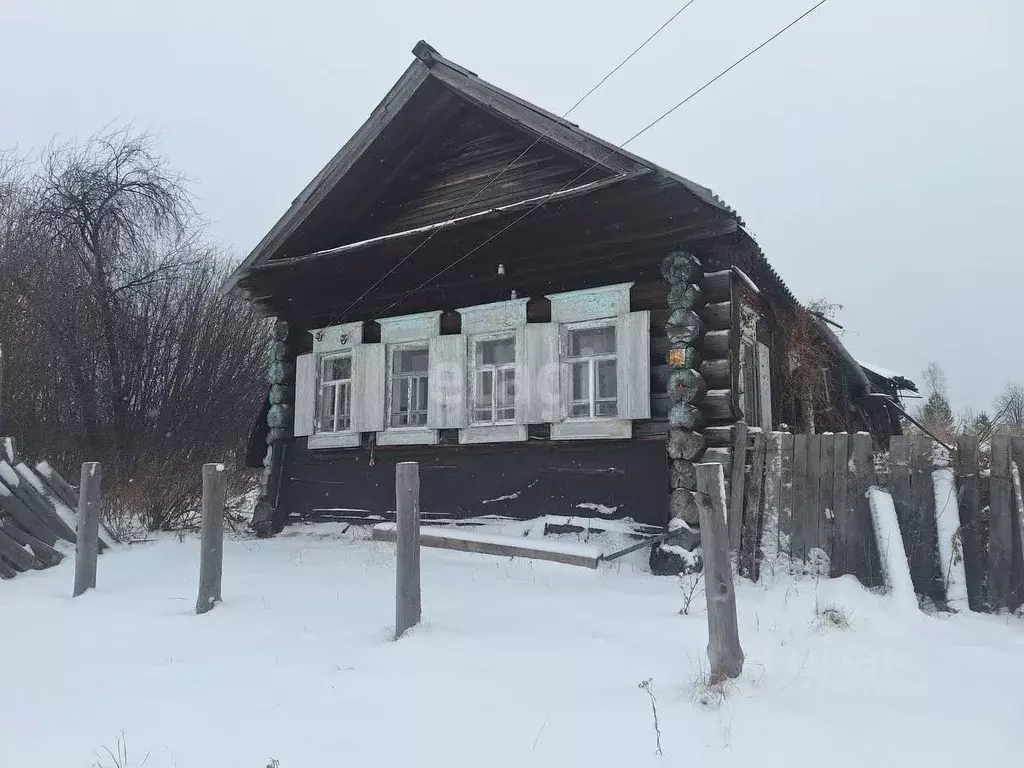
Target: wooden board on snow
x=491 y=544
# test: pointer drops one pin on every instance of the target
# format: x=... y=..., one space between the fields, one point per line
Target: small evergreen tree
x=936 y=414
x=981 y=425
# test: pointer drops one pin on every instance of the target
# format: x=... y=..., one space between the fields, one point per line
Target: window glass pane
x=484 y=388
x=606 y=385
x=334 y=368
x=399 y=402
x=496 y=351
x=592 y=341
x=344 y=406
x=341 y=367
x=326 y=416
x=606 y=407
x=581 y=381
x=410 y=361
x=506 y=394
x=580 y=409
x=420 y=409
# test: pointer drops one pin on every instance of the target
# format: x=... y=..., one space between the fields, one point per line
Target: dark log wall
x=460 y=176
x=610 y=478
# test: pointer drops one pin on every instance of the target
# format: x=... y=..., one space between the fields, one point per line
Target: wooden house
x=547 y=323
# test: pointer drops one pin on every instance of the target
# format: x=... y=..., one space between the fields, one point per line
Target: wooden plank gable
x=462 y=173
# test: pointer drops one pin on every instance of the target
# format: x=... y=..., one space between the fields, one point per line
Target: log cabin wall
x=597 y=478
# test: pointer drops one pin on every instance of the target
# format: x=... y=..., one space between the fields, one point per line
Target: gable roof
x=417 y=89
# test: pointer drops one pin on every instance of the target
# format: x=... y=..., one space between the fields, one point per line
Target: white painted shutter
x=633 y=345
x=764 y=382
x=368 y=385
x=521 y=374
x=446 y=391
x=541 y=375
x=305 y=394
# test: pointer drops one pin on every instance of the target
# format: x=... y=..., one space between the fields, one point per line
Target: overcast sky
x=874 y=150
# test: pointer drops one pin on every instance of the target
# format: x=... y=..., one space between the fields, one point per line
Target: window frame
x=473 y=370
x=335 y=341
x=407 y=346
x=336 y=384
x=568 y=361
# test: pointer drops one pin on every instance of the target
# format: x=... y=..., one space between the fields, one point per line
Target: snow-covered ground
x=517 y=663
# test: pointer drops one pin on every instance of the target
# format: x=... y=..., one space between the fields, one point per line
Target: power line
x=536 y=141
x=632 y=138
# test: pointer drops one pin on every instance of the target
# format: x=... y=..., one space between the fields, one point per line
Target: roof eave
x=403 y=90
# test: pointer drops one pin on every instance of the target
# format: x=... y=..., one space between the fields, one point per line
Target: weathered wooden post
x=724 y=651
x=407 y=506
x=211 y=555
x=87 y=545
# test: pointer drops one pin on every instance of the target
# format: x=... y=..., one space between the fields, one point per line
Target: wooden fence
x=804 y=507
x=38 y=509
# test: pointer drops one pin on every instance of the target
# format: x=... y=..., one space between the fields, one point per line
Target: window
x=494 y=380
x=591 y=357
x=409 y=387
x=335 y=413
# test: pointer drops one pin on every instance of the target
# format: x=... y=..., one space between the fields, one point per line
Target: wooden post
x=211 y=554
x=724 y=651
x=87 y=546
x=407 y=507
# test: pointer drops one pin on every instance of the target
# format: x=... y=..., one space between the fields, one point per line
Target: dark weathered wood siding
x=479 y=164
x=540 y=476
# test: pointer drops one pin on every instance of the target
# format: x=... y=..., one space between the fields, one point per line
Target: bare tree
x=1009 y=408
x=121 y=346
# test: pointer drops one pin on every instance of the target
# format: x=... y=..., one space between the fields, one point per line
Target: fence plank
x=826 y=500
x=841 y=514
x=1000 y=530
x=900 y=486
x=24 y=516
x=925 y=559
x=800 y=536
x=752 y=514
x=967 y=449
x=812 y=505
x=736 y=490
x=42 y=551
x=1017 y=457
x=772 y=517
x=786 y=496
x=18 y=557
x=862 y=548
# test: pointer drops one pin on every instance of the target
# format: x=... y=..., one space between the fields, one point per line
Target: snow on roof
x=877 y=369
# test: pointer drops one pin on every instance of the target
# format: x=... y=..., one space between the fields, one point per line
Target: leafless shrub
x=690 y=584
x=119 y=345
